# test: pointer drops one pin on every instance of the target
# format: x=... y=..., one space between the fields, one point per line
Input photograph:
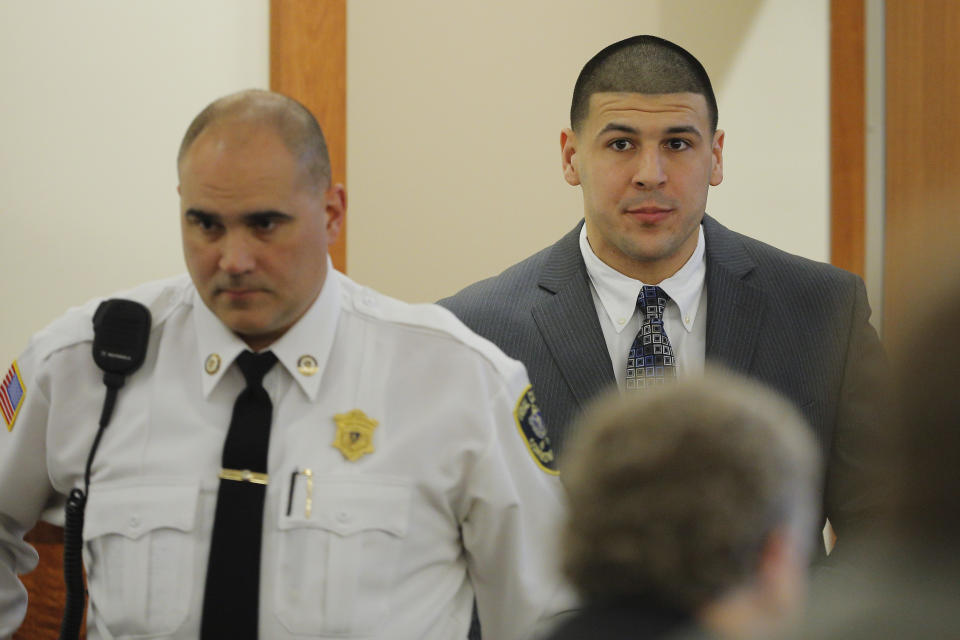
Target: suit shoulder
x=431 y=323
x=522 y=274
x=500 y=292
x=800 y=274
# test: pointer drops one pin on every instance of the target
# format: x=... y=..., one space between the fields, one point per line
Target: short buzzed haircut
x=674 y=491
x=641 y=64
x=293 y=122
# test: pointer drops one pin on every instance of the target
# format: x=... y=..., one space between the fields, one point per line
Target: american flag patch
x=12 y=392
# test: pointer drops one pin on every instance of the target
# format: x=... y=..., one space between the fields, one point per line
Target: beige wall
x=95 y=98
x=455 y=111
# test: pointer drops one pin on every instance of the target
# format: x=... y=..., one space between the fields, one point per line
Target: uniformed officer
x=407 y=471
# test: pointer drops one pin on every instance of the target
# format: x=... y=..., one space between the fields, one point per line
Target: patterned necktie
x=651 y=359
x=232 y=596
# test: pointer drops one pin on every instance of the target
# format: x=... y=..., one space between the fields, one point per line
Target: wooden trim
x=44 y=586
x=923 y=153
x=848 y=135
x=45 y=533
x=308 y=62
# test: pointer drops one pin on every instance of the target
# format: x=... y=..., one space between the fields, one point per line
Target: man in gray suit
x=644 y=147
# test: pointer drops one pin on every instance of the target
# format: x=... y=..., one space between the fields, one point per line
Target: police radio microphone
x=121 y=331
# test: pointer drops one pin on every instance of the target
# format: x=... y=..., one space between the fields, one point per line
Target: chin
x=243 y=326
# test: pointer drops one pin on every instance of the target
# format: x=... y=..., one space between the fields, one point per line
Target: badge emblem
x=212 y=365
x=354 y=436
x=534 y=431
x=307 y=365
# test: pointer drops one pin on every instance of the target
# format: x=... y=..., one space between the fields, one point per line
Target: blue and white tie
x=651 y=360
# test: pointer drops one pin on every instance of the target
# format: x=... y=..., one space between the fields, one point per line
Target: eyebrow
x=616 y=126
x=201 y=215
x=253 y=216
x=684 y=129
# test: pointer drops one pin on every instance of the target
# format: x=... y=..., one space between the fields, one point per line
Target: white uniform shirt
x=684 y=319
x=450 y=502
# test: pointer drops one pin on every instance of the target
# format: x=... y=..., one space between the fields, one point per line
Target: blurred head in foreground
x=697 y=499
x=906 y=581
x=926 y=435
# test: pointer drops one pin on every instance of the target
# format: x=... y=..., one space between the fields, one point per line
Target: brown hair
x=674 y=491
x=641 y=64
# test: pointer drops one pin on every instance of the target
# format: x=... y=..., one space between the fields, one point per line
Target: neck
x=736 y=616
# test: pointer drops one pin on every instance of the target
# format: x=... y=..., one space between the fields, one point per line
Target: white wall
x=454 y=114
x=95 y=98
x=774 y=106
x=455 y=111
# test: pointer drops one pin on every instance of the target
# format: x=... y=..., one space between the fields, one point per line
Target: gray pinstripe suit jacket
x=797 y=325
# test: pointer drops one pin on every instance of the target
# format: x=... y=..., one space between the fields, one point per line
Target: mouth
x=649 y=213
x=236 y=294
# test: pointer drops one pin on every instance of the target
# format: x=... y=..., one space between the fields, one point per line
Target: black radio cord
x=76 y=594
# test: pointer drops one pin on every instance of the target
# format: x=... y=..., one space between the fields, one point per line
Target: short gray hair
x=674 y=491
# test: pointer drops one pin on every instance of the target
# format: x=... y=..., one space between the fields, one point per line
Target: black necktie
x=651 y=360
x=232 y=596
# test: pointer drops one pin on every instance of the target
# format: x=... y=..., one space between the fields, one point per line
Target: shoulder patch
x=534 y=431
x=12 y=393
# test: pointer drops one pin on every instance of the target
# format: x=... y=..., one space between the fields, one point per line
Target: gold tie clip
x=244 y=475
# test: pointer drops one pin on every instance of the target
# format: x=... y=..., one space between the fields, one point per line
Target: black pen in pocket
x=308 y=503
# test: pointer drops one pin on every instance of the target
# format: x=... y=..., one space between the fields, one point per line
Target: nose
x=236 y=254
x=649 y=173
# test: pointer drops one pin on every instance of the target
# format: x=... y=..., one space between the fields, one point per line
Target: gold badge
x=307 y=365
x=354 y=434
x=212 y=365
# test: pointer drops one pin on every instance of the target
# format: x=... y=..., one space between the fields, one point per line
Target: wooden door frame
x=848 y=135
x=308 y=62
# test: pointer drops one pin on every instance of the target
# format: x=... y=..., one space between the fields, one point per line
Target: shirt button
x=621 y=320
x=343 y=517
x=686 y=320
x=134 y=522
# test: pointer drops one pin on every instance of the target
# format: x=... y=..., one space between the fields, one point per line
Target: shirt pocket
x=140 y=556
x=337 y=565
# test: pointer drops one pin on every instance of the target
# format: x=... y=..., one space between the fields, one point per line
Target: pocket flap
x=133 y=510
x=346 y=506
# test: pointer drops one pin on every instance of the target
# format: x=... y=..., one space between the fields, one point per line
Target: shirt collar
x=303 y=350
x=618 y=292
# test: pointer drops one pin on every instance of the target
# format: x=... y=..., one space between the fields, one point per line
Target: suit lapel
x=734 y=306
x=568 y=321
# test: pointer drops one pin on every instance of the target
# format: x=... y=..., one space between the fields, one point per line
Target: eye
x=263 y=224
x=206 y=223
x=266 y=221
x=677 y=144
x=621 y=144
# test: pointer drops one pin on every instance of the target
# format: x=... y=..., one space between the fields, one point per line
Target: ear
x=568 y=157
x=336 y=209
x=716 y=171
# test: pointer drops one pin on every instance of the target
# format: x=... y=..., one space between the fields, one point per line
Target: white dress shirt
x=684 y=319
x=448 y=505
